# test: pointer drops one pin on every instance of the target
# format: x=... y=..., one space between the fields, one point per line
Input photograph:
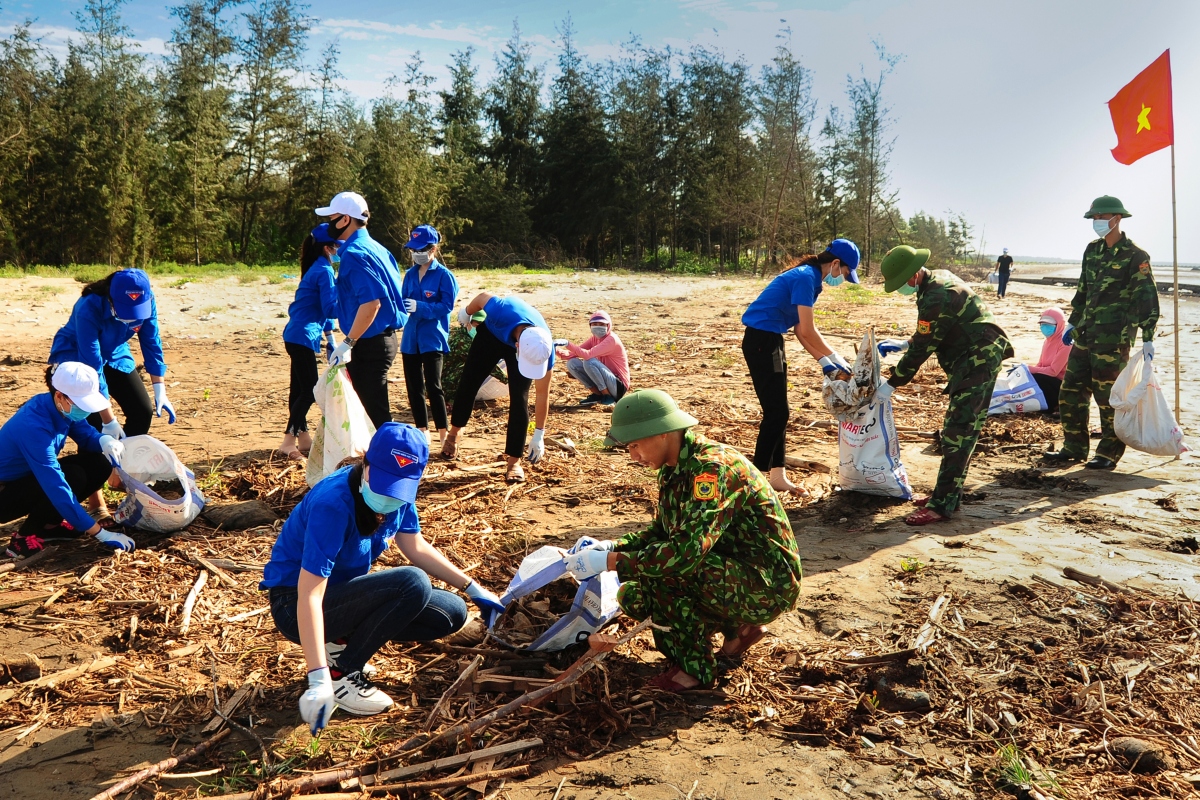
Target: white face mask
x=421 y=258
x=1101 y=226
x=599 y=331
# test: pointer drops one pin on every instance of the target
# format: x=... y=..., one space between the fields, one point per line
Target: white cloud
x=477 y=37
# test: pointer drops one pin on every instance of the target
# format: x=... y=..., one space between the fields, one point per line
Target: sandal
x=666 y=682
x=748 y=635
x=925 y=516
x=515 y=473
x=919 y=500
x=450 y=447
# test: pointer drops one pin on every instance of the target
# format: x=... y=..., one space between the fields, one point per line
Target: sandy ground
x=227 y=378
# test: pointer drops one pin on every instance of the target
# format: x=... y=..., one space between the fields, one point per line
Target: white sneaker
x=355 y=695
x=334 y=649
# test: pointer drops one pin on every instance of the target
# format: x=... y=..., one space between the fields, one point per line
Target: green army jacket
x=713 y=500
x=1116 y=294
x=954 y=323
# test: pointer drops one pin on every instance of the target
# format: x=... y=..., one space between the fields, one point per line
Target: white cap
x=352 y=204
x=533 y=351
x=80 y=383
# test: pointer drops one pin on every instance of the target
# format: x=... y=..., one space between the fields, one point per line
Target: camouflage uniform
x=1115 y=297
x=954 y=323
x=456 y=359
x=719 y=554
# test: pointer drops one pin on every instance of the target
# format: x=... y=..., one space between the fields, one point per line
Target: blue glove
x=832 y=364
x=588 y=543
x=889 y=346
x=489 y=605
x=161 y=403
x=1068 y=337
x=317 y=704
x=117 y=541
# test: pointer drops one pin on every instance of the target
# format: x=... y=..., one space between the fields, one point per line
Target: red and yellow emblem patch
x=1145 y=266
x=704 y=487
x=923 y=326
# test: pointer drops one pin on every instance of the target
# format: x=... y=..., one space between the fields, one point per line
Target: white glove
x=586 y=563
x=464 y=318
x=113 y=448
x=1148 y=349
x=113 y=429
x=340 y=354
x=117 y=541
x=410 y=305
x=889 y=346
x=161 y=403
x=832 y=364
x=588 y=543
x=536 y=448
x=884 y=391
x=317 y=704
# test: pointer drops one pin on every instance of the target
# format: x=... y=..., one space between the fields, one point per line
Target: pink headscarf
x=1053 y=361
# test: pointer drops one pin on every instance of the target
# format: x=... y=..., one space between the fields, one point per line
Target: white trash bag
x=849 y=396
x=1143 y=419
x=594 y=607
x=1017 y=392
x=344 y=431
x=146 y=461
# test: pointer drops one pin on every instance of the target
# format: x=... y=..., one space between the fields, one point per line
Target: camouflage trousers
x=965 y=416
x=719 y=596
x=1091 y=371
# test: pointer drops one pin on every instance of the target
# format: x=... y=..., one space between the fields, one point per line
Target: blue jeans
x=594 y=375
x=392 y=605
x=1003 y=287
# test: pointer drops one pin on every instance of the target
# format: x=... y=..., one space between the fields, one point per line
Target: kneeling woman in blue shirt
x=323 y=595
x=45 y=489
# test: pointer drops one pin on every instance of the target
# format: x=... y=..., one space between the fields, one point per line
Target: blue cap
x=130 y=294
x=397 y=455
x=321 y=235
x=846 y=252
x=423 y=236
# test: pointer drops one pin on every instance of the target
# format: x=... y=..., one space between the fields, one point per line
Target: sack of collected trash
x=868 y=447
x=148 y=462
x=1143 y=419
x=1016 y=392
x=593 y=606
x=344 y=431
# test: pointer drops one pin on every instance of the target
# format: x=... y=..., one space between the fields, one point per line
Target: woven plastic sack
x=1016 y=392
x=1143 y=419
x=145 y=462
x=344 y=431
x=846 y=398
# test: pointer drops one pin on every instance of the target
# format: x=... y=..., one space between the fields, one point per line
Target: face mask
x=906 y=289
x=471 y=331
x=76 y=414
x=599 y=331
x=380 y=504
x=832 y=281
x=335 y=259
x=1048 y=330
x=1101 y=226
x=422 y=257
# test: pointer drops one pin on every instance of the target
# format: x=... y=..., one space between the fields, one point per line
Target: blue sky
x=999 y=107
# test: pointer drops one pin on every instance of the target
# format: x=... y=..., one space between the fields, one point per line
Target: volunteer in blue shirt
x=110 y=313
x=310 y=316
x=370 y=309
x=517 y=333
x=45 y=489
x=429 y=291
x=787 y=305
x=323 y=595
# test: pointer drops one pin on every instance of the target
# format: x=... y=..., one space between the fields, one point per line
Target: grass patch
x=856 y=294
x=211 y=310
x=86 y=273
x=722 y=358
x=532 y=284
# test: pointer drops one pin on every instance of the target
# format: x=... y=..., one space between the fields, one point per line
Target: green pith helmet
x=644 y=413
x=900 y=264
x=1106 y=205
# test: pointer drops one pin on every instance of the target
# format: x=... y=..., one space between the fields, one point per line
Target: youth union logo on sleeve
x=704 y=487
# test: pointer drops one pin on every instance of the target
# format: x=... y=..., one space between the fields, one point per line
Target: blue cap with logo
x=397 y=455
x=321 y=235
x=423 y=236
x=130 y=294
x=846 y=252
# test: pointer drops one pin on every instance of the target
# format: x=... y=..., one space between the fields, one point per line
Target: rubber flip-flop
x=745 y=641
x=515 y=474
x=925 y=516
x=666 y=682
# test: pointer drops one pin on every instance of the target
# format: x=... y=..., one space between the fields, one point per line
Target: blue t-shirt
x=94 y=336
x=428 y=328
x=369 y=272
x=315 y=306
x=504 y=314
x=322 y=537
x=774 y=310
x=29 y=445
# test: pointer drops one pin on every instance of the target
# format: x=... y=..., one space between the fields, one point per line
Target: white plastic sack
x=1143 y=420
x=344 y=431
x=1016 y=392
x=849 y=396
x=491 y=389
x=146 y=461
x=869 y=453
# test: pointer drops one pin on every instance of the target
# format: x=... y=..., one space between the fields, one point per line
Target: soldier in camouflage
x=1116 y=296
x=955 y=324
x=719 y=555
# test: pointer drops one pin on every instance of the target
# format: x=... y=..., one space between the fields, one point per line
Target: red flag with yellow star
x=1141 y=112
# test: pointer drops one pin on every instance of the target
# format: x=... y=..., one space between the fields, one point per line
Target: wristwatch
x=350 y=341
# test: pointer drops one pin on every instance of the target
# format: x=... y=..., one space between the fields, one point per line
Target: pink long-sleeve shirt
x=1054 y=356
x=609 y=350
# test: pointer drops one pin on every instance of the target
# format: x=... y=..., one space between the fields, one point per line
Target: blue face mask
x=380 y=504
x=1101 y=226
x=832 y=281
x=335 y=259
x=1048 y=330
x=76 y=414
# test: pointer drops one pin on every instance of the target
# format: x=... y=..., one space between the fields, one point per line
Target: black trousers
x=423 y=373
x=25 y=497
x=1050 y=387
x=370 y=361
x=128 y=391
x=485 y=351
x=300 y=393
x=768 y=371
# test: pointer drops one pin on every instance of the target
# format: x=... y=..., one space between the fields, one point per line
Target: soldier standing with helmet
x=1116 y=296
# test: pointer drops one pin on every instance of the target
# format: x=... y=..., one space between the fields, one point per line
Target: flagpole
x=1175 y=294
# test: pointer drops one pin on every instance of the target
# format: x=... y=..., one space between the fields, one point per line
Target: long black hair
x=101 y=287
x=821 y=258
